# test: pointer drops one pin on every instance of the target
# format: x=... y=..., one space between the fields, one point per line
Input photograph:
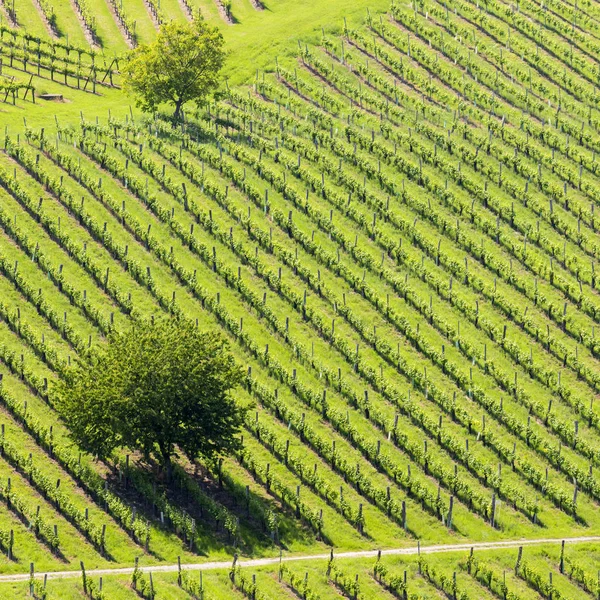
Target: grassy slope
x=543 y=560
x=172 y=10
x=252 y=44
x=263 y=35
x=145 y=29
x=29 y=16
x=68 y=23
x=112 y=40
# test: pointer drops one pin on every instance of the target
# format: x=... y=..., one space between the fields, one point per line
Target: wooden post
x=403 y=515
x=280 y=572
x=232 y=573
x=134 y=580
x=10 y=545
x=519 y=557
x=562 y=557
x=360 y=514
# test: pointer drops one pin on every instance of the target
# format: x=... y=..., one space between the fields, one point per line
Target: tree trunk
x=178 y=114
x=165 y=454
x=169 y=469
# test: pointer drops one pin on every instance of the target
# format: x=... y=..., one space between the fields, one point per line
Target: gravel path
x=260 y=562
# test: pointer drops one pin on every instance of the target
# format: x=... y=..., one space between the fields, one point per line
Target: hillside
x=391 y=217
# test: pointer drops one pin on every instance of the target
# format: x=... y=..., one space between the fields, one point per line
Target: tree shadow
x=192 y=490
x=251 y=508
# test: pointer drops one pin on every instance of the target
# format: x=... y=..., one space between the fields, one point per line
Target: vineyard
x=395 y=228
x=521 y=573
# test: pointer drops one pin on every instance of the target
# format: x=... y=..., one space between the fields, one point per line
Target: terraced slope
x=396 y=230
x=111 y=26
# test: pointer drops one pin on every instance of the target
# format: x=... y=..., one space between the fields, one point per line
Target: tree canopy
x=155 y=388
x=181 y=65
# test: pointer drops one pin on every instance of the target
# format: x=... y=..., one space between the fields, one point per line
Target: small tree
x=155 y=388
x=182 y=64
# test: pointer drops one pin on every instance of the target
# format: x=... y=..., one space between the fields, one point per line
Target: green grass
x=113 y=42
x=27 y=12
x=172 y=10
x=216 y=583
x=382 y=298
x=145 y=29
x=68 y=24
x=252 y=44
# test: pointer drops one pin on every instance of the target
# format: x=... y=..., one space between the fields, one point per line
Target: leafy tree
x=182 y=64
x=155 y=388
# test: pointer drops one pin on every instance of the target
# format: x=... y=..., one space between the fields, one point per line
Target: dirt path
x=261 y=562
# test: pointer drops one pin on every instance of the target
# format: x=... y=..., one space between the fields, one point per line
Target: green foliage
x=37 y=589
x=50 y=14
x=538 y=582
x=181 y=65
x=297 y=583
x=246 y=585
x=154 y=388
x=91 y=590
x=588 y=581
x=348 y=585
x=488 y=578
x=442 y=581
x=194 y=588
x=395 y=203
x=143 y=587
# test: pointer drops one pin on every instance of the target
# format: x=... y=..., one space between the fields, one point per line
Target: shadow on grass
x=195 y=493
